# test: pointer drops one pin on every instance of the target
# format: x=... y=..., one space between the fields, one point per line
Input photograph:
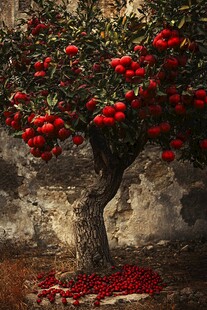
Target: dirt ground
x=182 y=265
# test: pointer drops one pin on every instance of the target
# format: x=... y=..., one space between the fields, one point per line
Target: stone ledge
x=84 y=301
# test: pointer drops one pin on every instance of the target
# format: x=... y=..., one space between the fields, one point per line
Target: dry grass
x=18 y=271
x=13 y=285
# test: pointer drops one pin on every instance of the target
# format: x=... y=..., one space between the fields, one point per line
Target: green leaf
x=182 y=22
x=53 y=71
x=160 y=93
x=202 y=49
x=184 y=7
x=203 y=19
x=82 y=118
x=17 y=134
x=52 y=101
x=115 y=35
x=138 y=39
x=136 y=90
x=183 y=42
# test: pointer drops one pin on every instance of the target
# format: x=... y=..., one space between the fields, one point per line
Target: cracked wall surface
x=11 y=10
x=155 y=201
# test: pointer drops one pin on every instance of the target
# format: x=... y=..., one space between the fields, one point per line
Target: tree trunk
x=92 y=248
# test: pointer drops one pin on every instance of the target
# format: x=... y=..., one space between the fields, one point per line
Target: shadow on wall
x=194 y=206
x=9 y=181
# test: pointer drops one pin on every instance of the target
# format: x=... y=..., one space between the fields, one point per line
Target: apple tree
x=116 y=83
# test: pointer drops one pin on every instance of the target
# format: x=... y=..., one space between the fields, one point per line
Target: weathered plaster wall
x=7 y=12
x=11 y=10
x=158 y=201
x=155 y=201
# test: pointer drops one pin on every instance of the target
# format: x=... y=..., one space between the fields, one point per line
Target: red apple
x=168 y=155
x=39 y=66
x=120 y=69
x=57 y=150
x=39 y=141
x=77 y=139
x=150 y=60
x=141 y=49
x=134 y=65
x=176 y=143
x=136 y=103
x=98 y=120
x=203 y=144
x=200 y=94
x=180 y=109
x=120 y=106
x=108 y=121
x=63 y=133
x=166 y=33
x=71 y=50
x=48 y=129
x=36 y=152
x=119 y=116
x=19 y=96
x=140 y=72
x=50 y=118
x=91 y=104
x=129 y=73
x=165 y=127
x=173 y=42
x=108 y=111
x=39 y=121
x=154 y=132
x=130 y=95
x=46 y=156
x=40 y=74
x=174 y=99
x=199 y=104
x=171 y=63
x=125 y=61
x=28 y=133
x=58 y=123
x=115 y=62
x=155 y=110
x=161 y=45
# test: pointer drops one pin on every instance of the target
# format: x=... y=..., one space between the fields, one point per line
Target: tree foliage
x=65 y=75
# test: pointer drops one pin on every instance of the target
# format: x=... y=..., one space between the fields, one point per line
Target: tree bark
x=92 y=248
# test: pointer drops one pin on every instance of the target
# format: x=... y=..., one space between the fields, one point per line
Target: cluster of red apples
x=152 y=101
x=131 y=279
x=42 y=133
x=168 y=38
x=152 y=96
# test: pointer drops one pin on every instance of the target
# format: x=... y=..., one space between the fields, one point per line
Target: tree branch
x=104 y=159
x=136 y=148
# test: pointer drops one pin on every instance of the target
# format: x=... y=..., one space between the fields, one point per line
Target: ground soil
x=182 y=265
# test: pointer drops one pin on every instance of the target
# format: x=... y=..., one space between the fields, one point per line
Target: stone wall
x=154 y=202
x=11 y=10
x=7 y=12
